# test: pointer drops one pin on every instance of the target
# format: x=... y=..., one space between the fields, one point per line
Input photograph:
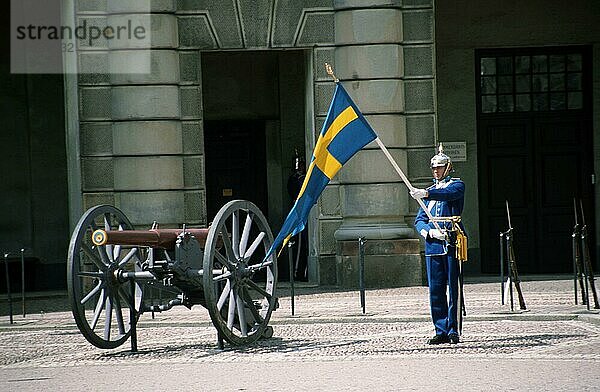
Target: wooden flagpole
x=406 y=181
x=329 y=70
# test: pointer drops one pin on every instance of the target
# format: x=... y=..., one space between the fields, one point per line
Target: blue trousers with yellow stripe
x=442 y=273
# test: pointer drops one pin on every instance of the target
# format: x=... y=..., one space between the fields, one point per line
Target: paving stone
x=328 y=326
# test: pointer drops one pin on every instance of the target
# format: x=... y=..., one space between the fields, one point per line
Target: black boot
x=453 y=337
x=439 y=339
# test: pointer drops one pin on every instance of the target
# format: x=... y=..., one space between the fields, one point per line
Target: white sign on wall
x=457 y=151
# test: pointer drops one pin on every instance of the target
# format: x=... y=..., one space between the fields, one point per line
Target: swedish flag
x=344 y=132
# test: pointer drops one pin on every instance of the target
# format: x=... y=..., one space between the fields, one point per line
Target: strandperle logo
x=81 y=36
x=85 y=32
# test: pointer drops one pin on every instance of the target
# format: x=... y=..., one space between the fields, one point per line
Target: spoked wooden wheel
x=239 y=286
x=101 y=302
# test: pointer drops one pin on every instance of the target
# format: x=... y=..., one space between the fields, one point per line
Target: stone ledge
x=388 y=270
x=381 y=247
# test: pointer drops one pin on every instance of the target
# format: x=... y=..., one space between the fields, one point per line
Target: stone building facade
x=141 y=136
x=237 y=87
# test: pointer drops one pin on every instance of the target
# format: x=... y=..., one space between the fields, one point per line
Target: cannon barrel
x=156 y=238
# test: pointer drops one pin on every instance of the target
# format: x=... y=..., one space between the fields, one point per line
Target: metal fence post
x=10 y=308
x=502 y=267
x=133 y=318
x=510 y=271
x=361 y=271
x=585 y=275
x=291 y=267
x=574 y=244
x=23 y=281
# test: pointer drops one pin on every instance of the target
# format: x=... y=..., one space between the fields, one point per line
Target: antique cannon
x=115 y=273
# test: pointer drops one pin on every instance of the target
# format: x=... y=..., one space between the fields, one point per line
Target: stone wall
x=141 y=135
x=466 y=25
x=384 y=57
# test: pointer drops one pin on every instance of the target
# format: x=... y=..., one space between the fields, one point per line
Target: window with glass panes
x=529 y=83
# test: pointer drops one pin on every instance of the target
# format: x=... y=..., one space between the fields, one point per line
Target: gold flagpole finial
x=329 y=70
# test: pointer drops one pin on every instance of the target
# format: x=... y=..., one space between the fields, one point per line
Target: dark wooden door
x=535 y=150
x=539 y=164
x=564 y=161
x=16 y=229
x=235 y=164
x=506 y=173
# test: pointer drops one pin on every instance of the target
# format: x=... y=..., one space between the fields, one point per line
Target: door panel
x=564 y=161
x=235 y=164
x=505 y=174
x=508 y=176
x=15 y=213
x=534 y=150
x=539 y=179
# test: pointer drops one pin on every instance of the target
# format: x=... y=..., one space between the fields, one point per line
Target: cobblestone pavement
x=553 y=342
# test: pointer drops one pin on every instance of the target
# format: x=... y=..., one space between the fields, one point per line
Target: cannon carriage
x=116 y=273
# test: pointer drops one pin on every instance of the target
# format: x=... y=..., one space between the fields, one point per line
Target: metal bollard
x=502 y=267
x=23 y=281
x=133 y=318
x=585 y=277
x=291 y=267
x=575 y=245
x=510 y=273
x=10 y=308
x=361 y=271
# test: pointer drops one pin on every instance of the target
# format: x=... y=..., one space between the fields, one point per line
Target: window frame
x=508 y=71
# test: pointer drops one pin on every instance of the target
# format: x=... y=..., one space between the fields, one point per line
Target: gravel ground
x=553 y=344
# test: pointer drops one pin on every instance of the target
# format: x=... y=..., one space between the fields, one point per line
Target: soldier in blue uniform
x=445 y=198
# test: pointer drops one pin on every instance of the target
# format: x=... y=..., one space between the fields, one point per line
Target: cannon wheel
x=98 y=298
x=238 y=286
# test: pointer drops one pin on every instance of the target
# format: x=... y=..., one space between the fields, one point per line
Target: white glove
x=437 y=234
x=417 y=193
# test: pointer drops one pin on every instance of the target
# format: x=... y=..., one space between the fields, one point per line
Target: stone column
x=369 y=60
x=141 y=140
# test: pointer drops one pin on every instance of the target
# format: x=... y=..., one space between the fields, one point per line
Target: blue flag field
x=344 y=132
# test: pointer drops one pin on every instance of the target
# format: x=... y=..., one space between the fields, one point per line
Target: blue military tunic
x=445 y=199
